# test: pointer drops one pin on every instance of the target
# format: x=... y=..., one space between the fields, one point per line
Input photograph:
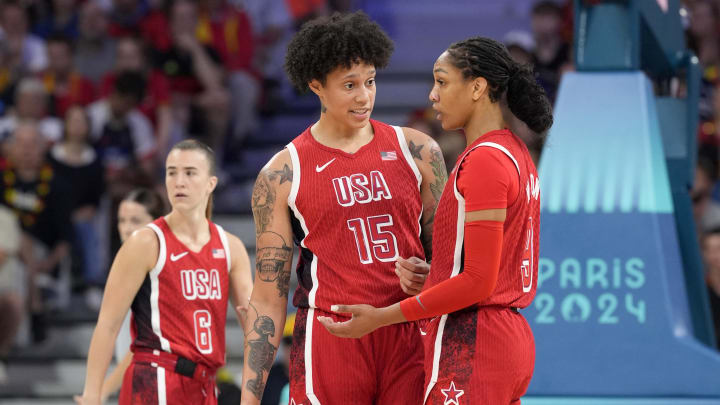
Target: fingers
x=344 y=309
x=414 y=265
x=338 y=329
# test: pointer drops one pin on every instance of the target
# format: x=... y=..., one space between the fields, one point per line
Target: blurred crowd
x=94 y=92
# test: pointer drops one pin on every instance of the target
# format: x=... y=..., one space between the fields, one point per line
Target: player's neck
x=334 y=134
x=487 y=118
x=191 y=227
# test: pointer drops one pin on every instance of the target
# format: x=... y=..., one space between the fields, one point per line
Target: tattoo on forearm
x=415 y=150
x=273 y=261
x=264 y=195
x=437 y=163
x=261 y=354
x=263 y=198
x=438 y=167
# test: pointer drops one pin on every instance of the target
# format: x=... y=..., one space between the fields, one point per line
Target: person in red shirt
x=226 y=29
x=357 y=196
x=63 y=83
x=155 y=105
x=477 y=344
x=177 y=275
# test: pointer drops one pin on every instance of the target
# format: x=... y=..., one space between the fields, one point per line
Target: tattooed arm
x=268 y=302
x=430 y=162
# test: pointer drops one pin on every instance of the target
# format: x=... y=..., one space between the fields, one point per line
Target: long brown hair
x=194 y=144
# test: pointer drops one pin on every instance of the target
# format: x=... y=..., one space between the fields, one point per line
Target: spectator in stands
x=706 y=210
x=711 y=255
x=62 y=21
x=94 y=49
x=521 y=46
x=200 y=101
x=74 y=159
x=552 y=53
x=12 y=284
x=65 y=85
x=31 y=103
x=10 y=73
x=227 y=31
x=272 y=28
x=42 y=201
x=123 y=136
x=703 y=38
x=29 y=49
x=131 y=57
x=126 y=17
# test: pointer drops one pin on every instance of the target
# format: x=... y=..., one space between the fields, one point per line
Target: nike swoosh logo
x=321 y=168
x=174 y=258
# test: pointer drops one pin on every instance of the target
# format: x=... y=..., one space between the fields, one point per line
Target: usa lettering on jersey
x=200 y=284
x=360 y=188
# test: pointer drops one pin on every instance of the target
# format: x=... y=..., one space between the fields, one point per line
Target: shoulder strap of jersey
x=225 y=244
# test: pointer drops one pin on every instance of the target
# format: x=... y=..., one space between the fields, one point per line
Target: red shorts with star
x=482 y=356
x=383 y=367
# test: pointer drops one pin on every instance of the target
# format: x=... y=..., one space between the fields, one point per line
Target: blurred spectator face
x=183 y=17
x=26 y=148
x=121 y=105
x=702 y=19
x=14 y=21
x=129 y=56
x=30 y=100
x=700 y=193
x=93 y=22
x=131 y=217
x=59 y=57
x=711 y=251
x=76 y=125
x=546 y=26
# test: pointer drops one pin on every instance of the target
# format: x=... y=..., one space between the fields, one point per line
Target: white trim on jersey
x=155 y=288
x=411 y=162
x=225 y=244
x=501 y=148
x=162 y=392
x=457 y=263
x=294 y=188
x=406 y=152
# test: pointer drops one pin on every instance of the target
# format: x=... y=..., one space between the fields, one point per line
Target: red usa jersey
x=181 y=306
x=517 y=277
x=353 y=215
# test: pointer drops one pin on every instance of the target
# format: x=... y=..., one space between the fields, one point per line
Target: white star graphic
x=452 y=394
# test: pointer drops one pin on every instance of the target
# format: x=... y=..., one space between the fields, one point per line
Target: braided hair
x=489 y=59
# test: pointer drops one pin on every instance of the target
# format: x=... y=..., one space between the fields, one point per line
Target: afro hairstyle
x=341 y=40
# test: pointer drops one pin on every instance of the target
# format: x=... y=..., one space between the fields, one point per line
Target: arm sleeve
x=487 y=180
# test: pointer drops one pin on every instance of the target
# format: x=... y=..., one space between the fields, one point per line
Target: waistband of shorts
x=498 y=307
x=177 y=363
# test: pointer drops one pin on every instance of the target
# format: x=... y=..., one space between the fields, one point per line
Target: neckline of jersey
x=341 y=152
x=202 y=249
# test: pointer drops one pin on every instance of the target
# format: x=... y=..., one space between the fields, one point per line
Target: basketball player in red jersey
x=486 y=236
x=177 y=273
x=357 y=196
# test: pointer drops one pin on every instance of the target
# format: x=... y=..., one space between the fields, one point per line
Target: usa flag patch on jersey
x=388 y=155
x=218 y=253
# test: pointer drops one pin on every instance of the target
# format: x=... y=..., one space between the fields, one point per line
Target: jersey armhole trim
x=403 y=143
x=225 y=244
x=162 y=251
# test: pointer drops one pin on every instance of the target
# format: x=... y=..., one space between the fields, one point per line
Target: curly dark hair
x=326 y=43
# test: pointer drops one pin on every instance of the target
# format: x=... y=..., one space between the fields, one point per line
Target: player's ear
x=479 y=87
x=316 y=87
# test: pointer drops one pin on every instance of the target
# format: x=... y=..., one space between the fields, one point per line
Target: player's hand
x=412 y=273
x=365 y=319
